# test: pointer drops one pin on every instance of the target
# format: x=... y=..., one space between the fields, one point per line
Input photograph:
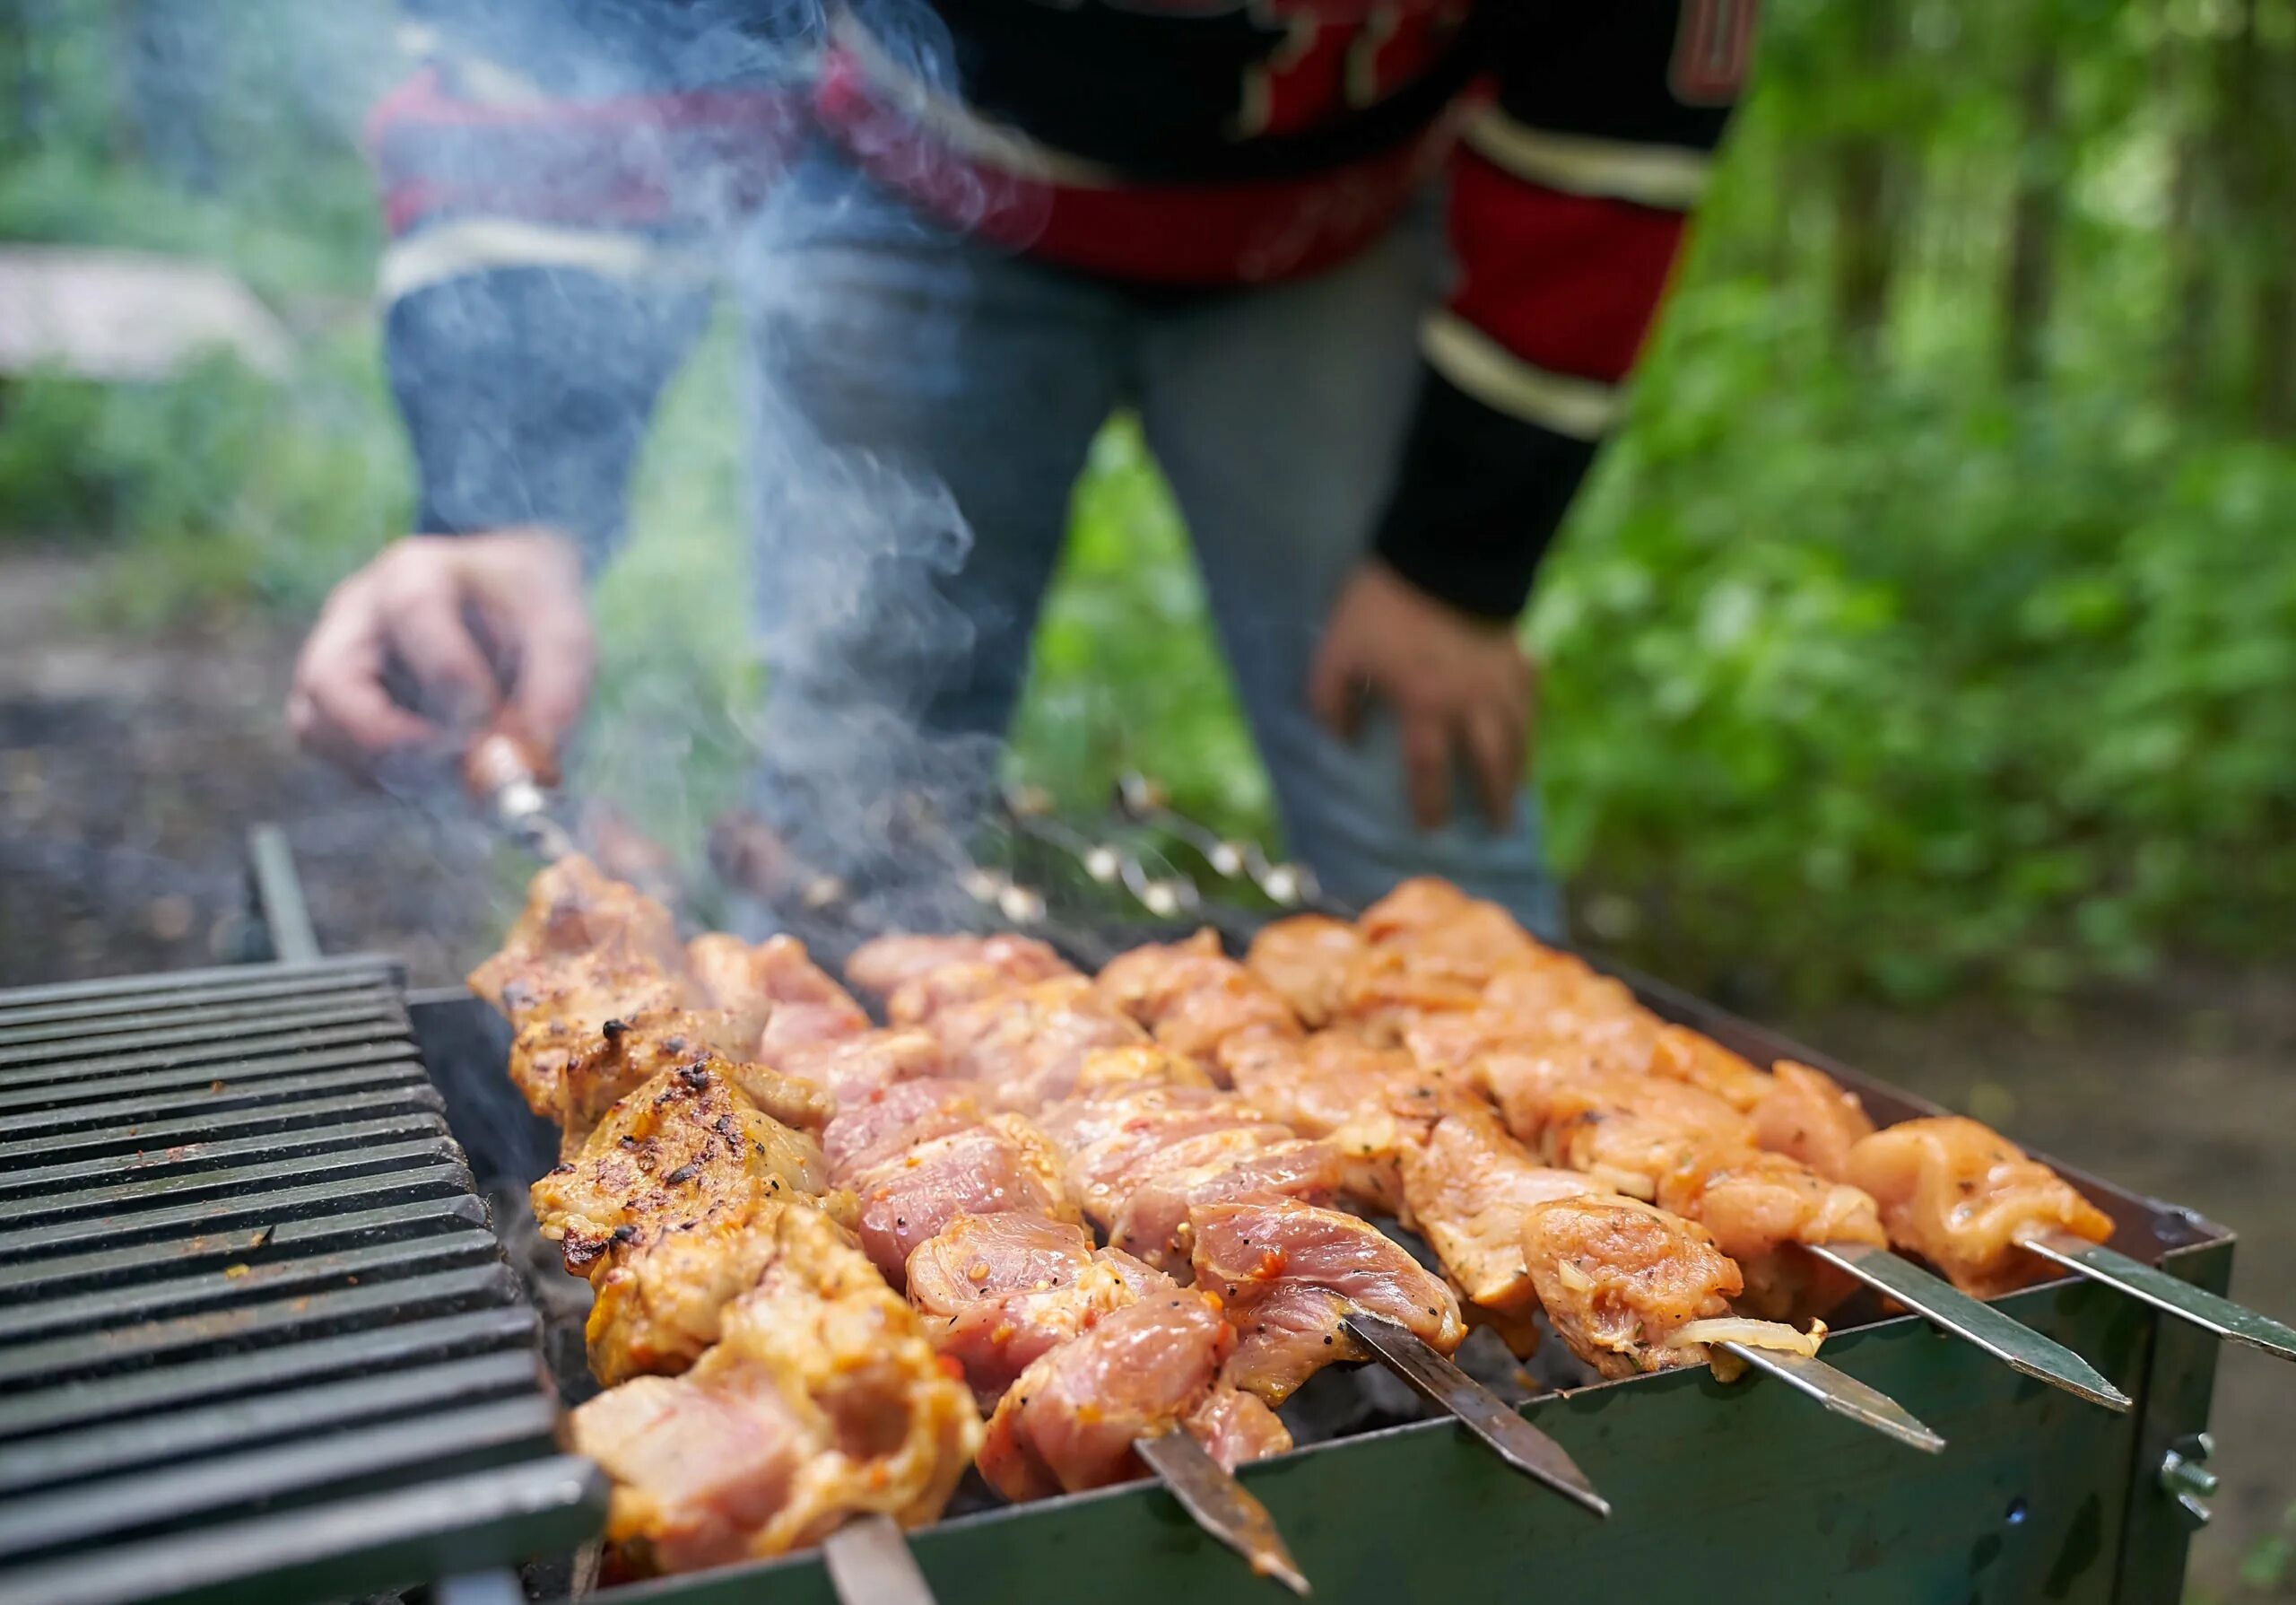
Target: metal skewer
x=869 y=1563
x=1947 y=1307
x=1287 y=885
x=1839 y=1392
x=1476 y=1408
x=2165 y=1293
x=1221 y=1506
x=513 y=783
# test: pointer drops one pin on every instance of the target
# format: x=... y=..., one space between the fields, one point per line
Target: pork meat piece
x=1155 y=1221
x=1808 y=1115
x=1026 y=1047
x=1305 y=959
x=1236 y=1428
x=999 y=1167
x=849 y=1067
x=1757 y=1206
x=1288 y=1274
x=1335 y=1086
x=1069 y=1421
x=885 y=1123
x=1000 y=1291
x=1961 y=1195
x=1193 y=997
x=1617 y=1277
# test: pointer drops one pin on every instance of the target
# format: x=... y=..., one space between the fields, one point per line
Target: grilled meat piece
x=1289 y=1273
x=1305 y=959
x=1339 y=1088
x=684 y=1141
x=1617 y=1277
x=820 y=1400
x=1156 y=1220
x=1468 y=1187
x=1961 y=1195
x=623 y=1054
x=1028 y=1046
x=1001 y=1167
x=849 y=1067
x=1194 y=997
x=1069 y=1421
x=1001 y=1291
x=1808 y=1115
x=796 y=1000
x=662 y=1293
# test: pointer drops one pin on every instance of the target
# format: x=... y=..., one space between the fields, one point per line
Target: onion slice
x=1754 y=1334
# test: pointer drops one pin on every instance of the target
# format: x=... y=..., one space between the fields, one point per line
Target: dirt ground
x=130 y=769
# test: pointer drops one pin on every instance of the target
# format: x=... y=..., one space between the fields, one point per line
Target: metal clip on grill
x=254 y=1328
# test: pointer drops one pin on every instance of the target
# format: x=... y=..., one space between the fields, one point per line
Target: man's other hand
x=1461 y=688
x=473 y=627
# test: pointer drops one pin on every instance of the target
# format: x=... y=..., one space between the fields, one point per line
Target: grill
x=258 y=1340
x=256 y=1337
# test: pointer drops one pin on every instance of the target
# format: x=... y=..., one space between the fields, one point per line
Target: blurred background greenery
x=1931 y=628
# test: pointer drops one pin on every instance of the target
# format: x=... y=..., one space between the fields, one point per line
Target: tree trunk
x=2029 y=289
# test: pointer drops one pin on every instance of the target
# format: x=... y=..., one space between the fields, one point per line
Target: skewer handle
x=1940 y=1303
x=1221 y=1506
x=511 y=778
x=1839 y=1392
x=1474 y=1406
x=869 y=1563
x=2148 y=1283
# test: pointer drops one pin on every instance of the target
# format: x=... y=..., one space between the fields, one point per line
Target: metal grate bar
x=176 y=1161
x=62 y=1274
x=270 y=1050
x=432 y=1530
x=408 y=1097
x=17 y=1213
x=381 y=1065
x=451 y=1441
x=285 y=1321
x=256 y=1001
x=332 y=1407
x=246 y=1214
x=67 y=999
x=357 y=1353
x=241 y=1282
x=72 y=1043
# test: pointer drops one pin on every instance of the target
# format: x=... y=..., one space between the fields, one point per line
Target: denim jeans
x=914 y=385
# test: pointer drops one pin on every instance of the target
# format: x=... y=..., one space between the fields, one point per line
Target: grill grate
x=255 y=1334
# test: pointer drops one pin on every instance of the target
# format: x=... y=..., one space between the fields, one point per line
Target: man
x=961 y=236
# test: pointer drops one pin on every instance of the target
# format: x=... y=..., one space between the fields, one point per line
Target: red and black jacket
x=554 y=170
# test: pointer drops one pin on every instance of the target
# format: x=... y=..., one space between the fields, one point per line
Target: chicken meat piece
x=1618 y=1278
x=1466 y=937
x=885 y=1123
x=1757 y=1206
x=1305 y=959
x=1468 y=1187
x=624 y=1054
x=1678 y=1054
x=1107 y=1071
x=1808 y=1115
x=1625 y=1131
x=1001 y=964
x=850 y=1067
x=1961 y=1196
x=683 y=1142
x=661 y=1292
x=1001 y=1167
x=796 y=1000
x=1338 y=1087
x=1193 y=997
x=1156 y=1221
x=1236 y=1428
x=809 y=1410
x=999 y=1292
x=572 y=909
x=559 y=1008
x=1028 y=1046
x=1117 y=1144
x=1070 y=1419
x=1289 y=1275
x=1077 y=1123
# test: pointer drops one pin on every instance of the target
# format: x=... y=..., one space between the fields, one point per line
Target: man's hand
x=1460 y=687
x=483 y=624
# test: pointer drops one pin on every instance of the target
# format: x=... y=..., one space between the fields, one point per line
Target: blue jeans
x=914 y=385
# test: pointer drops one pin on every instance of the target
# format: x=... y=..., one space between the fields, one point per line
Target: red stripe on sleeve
x=1568 y=283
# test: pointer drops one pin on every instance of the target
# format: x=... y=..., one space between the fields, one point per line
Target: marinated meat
x=812 y=1407
x=851 y=1066
x=1304 y=959
x=1195 y=998
x=1001 y=1291
x=1026 y=1047
x=1808 y=1115
x=1155 y=1221
x=1338 y=1087
x=684 y=1141
x=1961 y=1196
x=1618 y=1277
x=1289 y=1273
x=1001 y=1167
x=1069 y=1421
